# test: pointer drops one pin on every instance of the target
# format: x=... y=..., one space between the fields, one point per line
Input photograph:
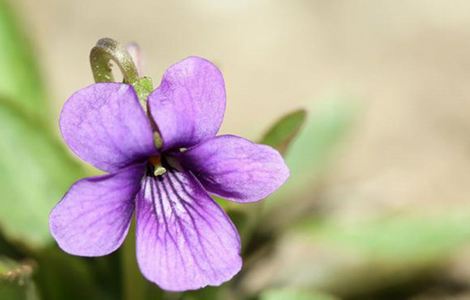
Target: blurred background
x=378 y=202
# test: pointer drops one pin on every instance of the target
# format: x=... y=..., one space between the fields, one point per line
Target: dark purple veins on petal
x=235 y=168
x=94 y=216
x=184 y=239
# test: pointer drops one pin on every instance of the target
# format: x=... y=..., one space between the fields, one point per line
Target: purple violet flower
x=184 y=239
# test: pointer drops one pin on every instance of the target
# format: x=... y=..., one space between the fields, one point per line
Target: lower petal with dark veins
x=185 y=240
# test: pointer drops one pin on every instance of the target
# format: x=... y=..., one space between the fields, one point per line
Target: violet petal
x=93 y=218
x=185 y=241
x=105 y=125
x=189 y=104
x=235 y=168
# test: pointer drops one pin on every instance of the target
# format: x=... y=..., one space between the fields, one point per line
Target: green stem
x=252 y=223
x=135 y=287
x=106 y=51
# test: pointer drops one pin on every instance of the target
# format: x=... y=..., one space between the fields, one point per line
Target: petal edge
x=185 y=241
x=235 y=168
x=93 y=217
x=189 y=105
x=105 y=125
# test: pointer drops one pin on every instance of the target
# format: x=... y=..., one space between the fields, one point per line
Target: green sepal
x=143 y=87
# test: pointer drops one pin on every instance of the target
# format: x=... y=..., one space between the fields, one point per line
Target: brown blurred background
x=407 y=63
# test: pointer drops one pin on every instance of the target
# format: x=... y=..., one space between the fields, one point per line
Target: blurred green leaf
x=63 y=276
x=310 y=154
x=14 y=271
x=329 y=123
x=282 y=133
x=283 y=294
x=19 y=73
x=134 y=285
x=35 y=171
x=413 y=236
x=360 y=256
x=207 y=293
x=308 y=157
x=15 y=281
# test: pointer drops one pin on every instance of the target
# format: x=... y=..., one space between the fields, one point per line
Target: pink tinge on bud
x=136 y=54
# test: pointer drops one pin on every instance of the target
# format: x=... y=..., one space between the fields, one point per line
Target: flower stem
x=106 y=51
x=133 y=287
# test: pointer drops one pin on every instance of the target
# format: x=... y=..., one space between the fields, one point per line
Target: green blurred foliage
x=35 y=171
x=367 y=257
x=409 y=237
x=15 y=281
x=330 y=121
x=284 y=294
x=63 y=276
x=20 y=79
x=309 y=156
x=282 y=132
